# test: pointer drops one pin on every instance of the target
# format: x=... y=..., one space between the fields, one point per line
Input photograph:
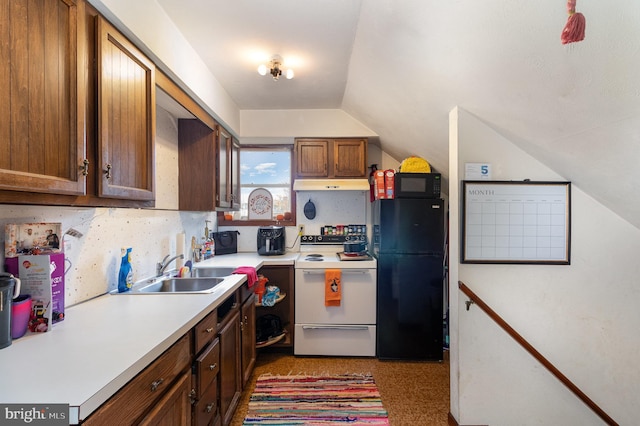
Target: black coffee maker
x=271 y=240
x=9 y=289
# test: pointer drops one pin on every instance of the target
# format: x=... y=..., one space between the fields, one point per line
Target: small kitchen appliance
x=417 y=185
x=271 y=240
x=9 y=289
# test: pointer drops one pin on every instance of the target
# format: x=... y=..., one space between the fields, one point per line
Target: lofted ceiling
x=400 y=66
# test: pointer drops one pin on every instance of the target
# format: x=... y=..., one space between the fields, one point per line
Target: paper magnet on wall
x=310 y=210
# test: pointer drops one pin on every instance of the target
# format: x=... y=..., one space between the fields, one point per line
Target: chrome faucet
x=162 y=265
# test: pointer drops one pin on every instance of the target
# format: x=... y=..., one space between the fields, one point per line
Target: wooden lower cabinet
x=175 y=406
x=229 y=376
x=142 y=396
x=199 y=380
x=248 y=338
x=205 y=385
x=205 y=410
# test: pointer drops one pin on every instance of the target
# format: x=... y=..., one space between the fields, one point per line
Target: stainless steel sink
x=214 y=271
x=179 y=285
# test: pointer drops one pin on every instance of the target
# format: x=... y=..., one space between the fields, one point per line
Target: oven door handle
x=335 y=327
x=344 y=271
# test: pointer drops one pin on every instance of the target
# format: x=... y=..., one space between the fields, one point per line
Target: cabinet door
x=174 y=408
x=224 y=168
x=248 y=328
x=230 y=380
x=126 y=116
x=235 y=175
x=41 y=120
x=349 y=158
x=311 y=158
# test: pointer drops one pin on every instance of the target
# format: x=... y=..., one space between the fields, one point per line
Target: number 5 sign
x=477 y=171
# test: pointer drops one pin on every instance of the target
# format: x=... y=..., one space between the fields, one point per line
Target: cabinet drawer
x=205 y=330
x=137 y=396
x=207 y=367
x=335 y=340
x=205 y=409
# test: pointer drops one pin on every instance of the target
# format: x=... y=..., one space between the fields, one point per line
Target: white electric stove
x=345 y=330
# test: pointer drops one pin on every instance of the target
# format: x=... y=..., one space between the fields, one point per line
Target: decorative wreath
x=260 y=204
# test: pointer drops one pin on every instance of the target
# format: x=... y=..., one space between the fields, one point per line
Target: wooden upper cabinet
x=235 y=174
x=126 y=117
x=349 y=158
x=331 y=158
x=41 y=119
x=224 y=168
x=196 y=165
x=311 y=157
x=207 y=159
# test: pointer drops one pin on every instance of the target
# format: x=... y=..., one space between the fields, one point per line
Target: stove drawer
x=357 y=303
x=335 y=340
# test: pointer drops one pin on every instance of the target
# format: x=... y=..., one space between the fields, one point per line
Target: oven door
x=345 y=330
x=357 y=300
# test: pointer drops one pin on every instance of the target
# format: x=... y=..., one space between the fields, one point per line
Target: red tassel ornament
x=574 y=29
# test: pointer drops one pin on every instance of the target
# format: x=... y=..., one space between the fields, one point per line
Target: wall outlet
x=300 y=229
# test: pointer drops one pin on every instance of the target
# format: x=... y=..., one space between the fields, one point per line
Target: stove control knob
x=319 y=238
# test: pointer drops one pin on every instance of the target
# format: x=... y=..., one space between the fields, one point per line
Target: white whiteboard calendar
x=516 y=222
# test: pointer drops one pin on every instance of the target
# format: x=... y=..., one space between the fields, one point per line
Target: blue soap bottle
x=125 y=276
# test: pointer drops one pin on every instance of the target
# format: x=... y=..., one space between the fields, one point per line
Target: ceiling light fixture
x=275 y=69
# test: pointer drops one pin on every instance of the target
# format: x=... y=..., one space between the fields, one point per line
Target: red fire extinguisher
x=372 y=193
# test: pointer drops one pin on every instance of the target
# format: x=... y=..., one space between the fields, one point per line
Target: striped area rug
x=316 y=400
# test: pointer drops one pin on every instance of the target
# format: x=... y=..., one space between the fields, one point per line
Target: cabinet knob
x=210 y=407
x=156 y=384
x=213 y=366
x=209 y=330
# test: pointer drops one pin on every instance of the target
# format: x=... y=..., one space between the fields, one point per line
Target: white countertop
x=105 y=342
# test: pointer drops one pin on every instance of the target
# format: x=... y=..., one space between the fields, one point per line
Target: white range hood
x=331 y=185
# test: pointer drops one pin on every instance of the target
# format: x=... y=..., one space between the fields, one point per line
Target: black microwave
x=417 y=185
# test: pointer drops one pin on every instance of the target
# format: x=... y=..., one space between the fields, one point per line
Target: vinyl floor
x=414 y=393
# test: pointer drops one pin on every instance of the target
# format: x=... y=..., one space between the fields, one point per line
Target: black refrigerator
x=409 y=244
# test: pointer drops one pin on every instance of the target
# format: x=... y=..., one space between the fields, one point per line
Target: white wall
x=147 y=25
x=93 y=260
x=301 y=123
x=581 y=317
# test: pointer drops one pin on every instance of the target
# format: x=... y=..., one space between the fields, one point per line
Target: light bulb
x=289 y=74
x=262 y=69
